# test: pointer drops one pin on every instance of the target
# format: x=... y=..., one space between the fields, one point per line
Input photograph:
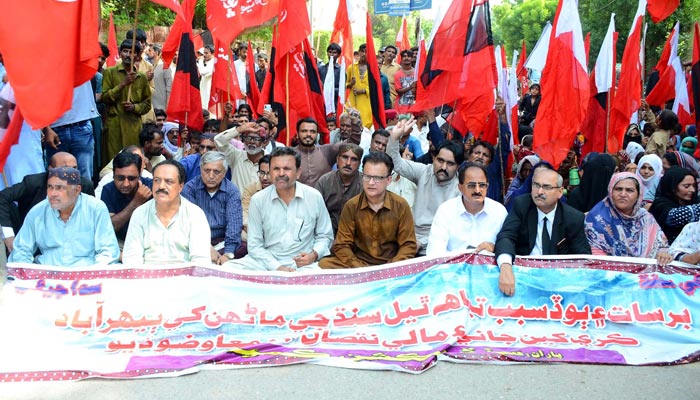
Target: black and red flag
x=376 y=95
x=185 y=105
x=315 y=91
x=253 y=93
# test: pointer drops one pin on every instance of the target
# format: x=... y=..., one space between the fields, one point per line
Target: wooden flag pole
x=133 y=45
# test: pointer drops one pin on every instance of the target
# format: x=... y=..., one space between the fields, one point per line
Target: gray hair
x=213 y=156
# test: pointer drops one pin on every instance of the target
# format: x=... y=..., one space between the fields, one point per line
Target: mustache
x=443 y=171
x=282 y=178
x=162 y=191
x=541 y=197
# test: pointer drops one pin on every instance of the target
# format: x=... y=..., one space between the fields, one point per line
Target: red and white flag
x=665 y=88
x=628 y=96
x=565 y=99
x=402 y=41
x=342 y=32
x=601 y=84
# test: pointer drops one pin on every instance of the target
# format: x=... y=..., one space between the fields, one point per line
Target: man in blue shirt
x=221 y=201
x=128 y=191
x=68 y=228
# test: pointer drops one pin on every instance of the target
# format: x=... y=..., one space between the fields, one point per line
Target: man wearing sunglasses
x=469 y=221
x=128 y=191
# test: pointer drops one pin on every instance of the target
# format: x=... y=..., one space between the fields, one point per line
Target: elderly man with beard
x=469 y=221
x=167 y=229
x=221 y=201
x=127 y=95
x=288 y=225
x=435 y=183
x=127 y=192
x=339 y=186
x=243 y=163
x=68 y=228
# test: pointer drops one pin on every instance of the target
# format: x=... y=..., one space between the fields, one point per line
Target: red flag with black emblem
x=185 y=105
x=376 y=95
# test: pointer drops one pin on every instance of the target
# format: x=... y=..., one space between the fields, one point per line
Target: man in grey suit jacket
x=539 y=224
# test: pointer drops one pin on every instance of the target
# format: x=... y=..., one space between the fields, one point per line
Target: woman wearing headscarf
x=676 y=202
x=524 y=167
x=597 y=171
x=619 y=226
x=688 y=145
x=632 y=135
x=633 y=150
x=686 y=247
x=649 y=171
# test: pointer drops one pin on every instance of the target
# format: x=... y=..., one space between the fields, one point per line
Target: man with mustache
x=469 y=221
x=288 y=225
x=376 y=226
x=168 y=229
x=317 y=160
x=262 y=183
x=339 y=186
x=435 y=183
x=539 y=224
x=127 y=95
x=67 y=228
x=244 y=163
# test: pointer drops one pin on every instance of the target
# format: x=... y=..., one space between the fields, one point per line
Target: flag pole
x=133 y=45
x=286 y=98
x=608 y=104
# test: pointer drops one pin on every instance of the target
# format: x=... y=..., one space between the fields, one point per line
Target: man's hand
x=506 y=280
x=223 y=259
x=305 y=259
x=402 y=127
x=430 y=114
x=488 y=246
x=128 y=80
x=407 y=155
x=52 y=138
x=248 y=127
x=10 y=243
x=128 y=106
x=143 y=193
x=149 y=75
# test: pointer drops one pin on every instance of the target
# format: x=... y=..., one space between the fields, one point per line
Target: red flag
x=11 y=137
x=182 y=24
x=628 y=96
x=342 y=32
x=174 y=5
x=564 y=103
x=67 y=33
x=461 y=64
x=521 y=71
x=376 y=95
x=665 y=88
x=315 y=91
x=659 y=10
x=112 y=43
x=185 y=105
x=587 y=46
x=601 y=85
x=695 y=75
x=272 y=93
x=294 y=25
x=224 y=84
x=402 y=42
x=253 y=92
x=227 y=19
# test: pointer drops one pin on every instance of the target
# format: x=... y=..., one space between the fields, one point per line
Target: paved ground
x=444 y=381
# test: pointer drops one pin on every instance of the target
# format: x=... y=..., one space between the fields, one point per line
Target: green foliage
x=517 y=20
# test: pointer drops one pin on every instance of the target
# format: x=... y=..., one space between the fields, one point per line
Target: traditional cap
x=68 y=174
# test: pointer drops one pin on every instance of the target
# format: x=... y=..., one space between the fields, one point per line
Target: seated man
x=192 y=162
x=30 y=192
x=167 y=229
x=262 y=183
x=376 y=226
x=539 y=224
x=107 y=179
x=151 y=142
x=469 y=221
x=289 y=227
x=339 y=186
x=127 y=192
x=244 y=163
x=69 y=228
x=221 y=202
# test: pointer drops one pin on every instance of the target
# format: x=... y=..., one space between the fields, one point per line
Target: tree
x=517 y=20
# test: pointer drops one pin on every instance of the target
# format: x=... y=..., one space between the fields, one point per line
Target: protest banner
x=128 y=322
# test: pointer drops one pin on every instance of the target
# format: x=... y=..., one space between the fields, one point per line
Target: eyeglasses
x=473 y=185
x=122 y=178
x=546 y=188
x=253 y=139
x=368 y=178
x=263 y=174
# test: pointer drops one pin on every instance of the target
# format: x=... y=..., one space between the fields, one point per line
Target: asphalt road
x=444 y=381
